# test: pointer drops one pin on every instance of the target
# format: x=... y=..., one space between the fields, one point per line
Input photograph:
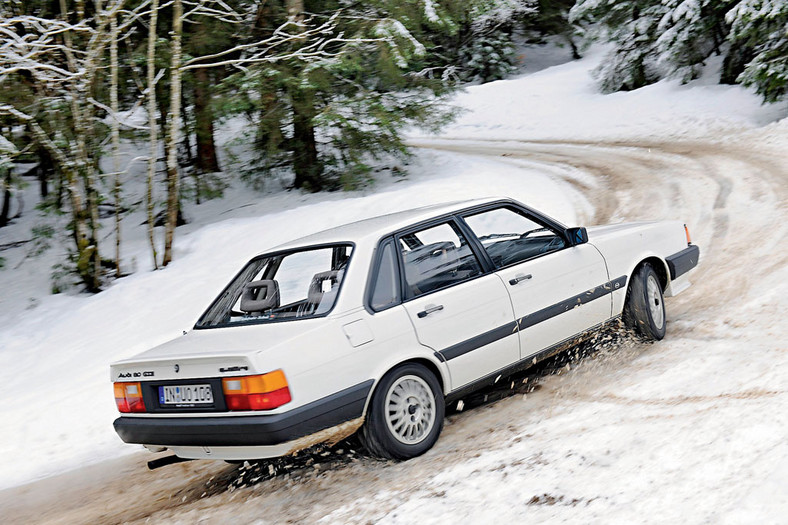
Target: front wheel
x=644 y=310
x=405 y=415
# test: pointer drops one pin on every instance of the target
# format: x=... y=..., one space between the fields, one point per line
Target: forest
x=327 y=91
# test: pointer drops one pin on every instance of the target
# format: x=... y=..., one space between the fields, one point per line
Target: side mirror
x=577 y=236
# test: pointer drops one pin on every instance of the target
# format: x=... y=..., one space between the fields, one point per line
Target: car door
x=456 y=309
x=557 y=290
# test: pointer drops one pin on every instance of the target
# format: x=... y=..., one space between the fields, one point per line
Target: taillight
x=686 y=230
x=128 y=397
x=261 y=392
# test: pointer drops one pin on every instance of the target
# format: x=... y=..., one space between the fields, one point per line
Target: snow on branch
x=312 y=42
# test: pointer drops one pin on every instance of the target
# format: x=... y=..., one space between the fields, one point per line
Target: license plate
x=185 y=395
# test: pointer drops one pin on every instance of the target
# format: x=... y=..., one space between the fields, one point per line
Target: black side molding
x=531 y=319
x=683 y=261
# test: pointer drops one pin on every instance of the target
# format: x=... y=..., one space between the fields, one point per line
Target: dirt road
x=683 y=406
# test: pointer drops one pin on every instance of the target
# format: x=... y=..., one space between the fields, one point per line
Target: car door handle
x=519 y=278
x=431 y=308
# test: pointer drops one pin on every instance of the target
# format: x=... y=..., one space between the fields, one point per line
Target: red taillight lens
x=261 y=392
x=128 y=397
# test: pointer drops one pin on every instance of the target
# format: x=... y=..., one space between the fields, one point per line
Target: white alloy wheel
x=405 y=413
x=655 y=301
x=644 y=307
x=410 y=409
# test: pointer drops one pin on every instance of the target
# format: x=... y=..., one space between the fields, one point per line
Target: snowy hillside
x=55 y=349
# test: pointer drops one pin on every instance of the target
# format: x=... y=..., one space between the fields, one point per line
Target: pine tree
x=551 y=17
x=632 y=27
x=689 y=32
x=762 y=27
x=484 y=47
x=7 y=151
x=328 y=120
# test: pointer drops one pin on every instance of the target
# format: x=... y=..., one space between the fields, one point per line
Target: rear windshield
x=284 y=286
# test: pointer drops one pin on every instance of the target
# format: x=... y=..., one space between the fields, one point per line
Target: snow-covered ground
x=688 y=414
x=563 y=103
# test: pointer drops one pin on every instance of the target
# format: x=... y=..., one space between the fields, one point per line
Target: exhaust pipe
x=166 y=460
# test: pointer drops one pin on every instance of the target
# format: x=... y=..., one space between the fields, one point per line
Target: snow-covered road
x=692 y=429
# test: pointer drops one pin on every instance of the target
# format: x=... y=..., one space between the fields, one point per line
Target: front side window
x=435 y=258
x=292 y=285
x=510 y=237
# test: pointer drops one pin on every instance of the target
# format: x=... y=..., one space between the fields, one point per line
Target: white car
x=374 y=326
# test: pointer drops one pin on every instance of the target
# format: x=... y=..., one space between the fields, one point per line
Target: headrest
x=316 y=287
x=259 y=296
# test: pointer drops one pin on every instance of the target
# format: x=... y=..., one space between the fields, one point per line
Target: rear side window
x=435 y=258
x=299 y=284
x=385 y=288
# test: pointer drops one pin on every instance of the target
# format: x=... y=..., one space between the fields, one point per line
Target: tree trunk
x=6 y=210
x=269 y=129
x=154 y=145
x=306 y=164
x=295 y=9
x=575 y=51
x=172 y=138
x=43 y=182
x=113 y=94
x=85 y=216
x=186 y=145
x=207 y=161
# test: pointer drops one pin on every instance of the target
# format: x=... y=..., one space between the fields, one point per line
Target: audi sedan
x=373 y=327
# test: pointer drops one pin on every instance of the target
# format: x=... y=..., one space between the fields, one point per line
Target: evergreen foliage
x=632 y=27
x=551 y=17
x=689 y=32
x=761 y=26
x=322 y=116
x=328 y=120
x=656 y=39
x=488 y=56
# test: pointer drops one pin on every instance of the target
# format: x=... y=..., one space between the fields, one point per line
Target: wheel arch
x=427 y=363
x=660 y=267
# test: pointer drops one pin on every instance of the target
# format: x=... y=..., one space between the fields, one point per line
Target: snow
x=693 y=418
x=429 y=11
x=563 y=103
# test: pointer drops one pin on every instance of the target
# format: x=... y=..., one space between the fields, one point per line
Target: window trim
x=377 y=258
x=454 y=223
x=473 y=241
x=277 y=253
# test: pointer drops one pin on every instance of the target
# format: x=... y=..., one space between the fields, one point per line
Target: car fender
x=426 y=357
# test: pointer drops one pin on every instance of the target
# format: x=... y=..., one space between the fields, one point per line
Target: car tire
x=644 y=308
x=405 y=414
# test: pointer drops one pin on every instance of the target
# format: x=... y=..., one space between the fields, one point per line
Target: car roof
x=382 y=225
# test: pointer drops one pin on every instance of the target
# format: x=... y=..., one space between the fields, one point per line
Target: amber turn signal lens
x=686 y=230
x=128 y=397
x=259 y=392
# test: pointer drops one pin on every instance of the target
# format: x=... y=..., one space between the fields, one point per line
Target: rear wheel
x=644 y=311
x=405 y=415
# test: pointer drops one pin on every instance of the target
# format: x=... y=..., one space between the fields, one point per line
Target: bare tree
x=152 y=109
x=115 y=124
x=59 y=59
x=173 y=203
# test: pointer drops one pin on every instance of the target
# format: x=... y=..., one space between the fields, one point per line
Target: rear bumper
x=236 y=431
x=683 y=261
